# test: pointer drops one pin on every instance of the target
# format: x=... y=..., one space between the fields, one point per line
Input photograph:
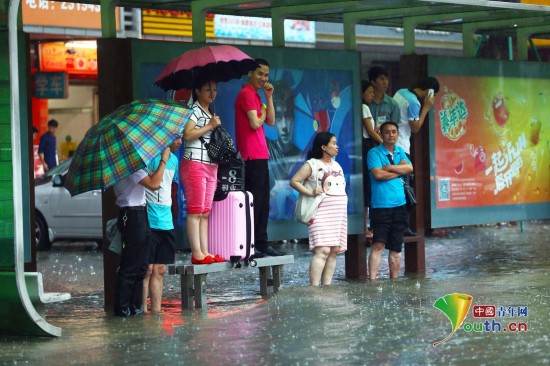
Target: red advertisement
x=61 y=56
x=492 y=141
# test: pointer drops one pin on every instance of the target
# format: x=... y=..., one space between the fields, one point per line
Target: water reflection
x=351 y=322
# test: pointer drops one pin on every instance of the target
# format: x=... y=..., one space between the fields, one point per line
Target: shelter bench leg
x=264 y=274
x=270 y=276
x=277 y=272
x=200 y=291
x=187 y=290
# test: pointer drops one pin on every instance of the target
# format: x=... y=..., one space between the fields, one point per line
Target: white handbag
x=306 y=206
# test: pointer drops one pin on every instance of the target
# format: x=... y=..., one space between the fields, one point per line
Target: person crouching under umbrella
x=135 y=233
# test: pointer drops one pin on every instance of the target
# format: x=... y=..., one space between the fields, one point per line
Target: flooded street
x=352 y=322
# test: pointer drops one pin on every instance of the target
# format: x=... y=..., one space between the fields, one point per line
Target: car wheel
x=41 y=234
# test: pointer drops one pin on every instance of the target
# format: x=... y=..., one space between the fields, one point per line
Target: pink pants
x=199 y=181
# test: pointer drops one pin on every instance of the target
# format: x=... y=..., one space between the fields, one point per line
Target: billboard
x=490 y=142
x=63 y=14
x=232 y=26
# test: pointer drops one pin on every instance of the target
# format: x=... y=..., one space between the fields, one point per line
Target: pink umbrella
x=220 y=63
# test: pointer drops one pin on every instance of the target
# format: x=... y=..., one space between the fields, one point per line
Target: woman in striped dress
x=328 y=228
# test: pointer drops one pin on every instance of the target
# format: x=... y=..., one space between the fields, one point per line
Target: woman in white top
x=328 y=229
x=198 y=174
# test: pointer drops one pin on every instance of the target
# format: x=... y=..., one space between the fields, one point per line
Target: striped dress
x=329 y=226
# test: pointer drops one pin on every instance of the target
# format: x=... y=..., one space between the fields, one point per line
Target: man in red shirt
x=250 y=116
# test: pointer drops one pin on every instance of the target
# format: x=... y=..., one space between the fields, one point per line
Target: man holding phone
x=250 y=116
x=414 y=105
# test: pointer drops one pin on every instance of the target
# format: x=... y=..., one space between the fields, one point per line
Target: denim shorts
x=388 y=225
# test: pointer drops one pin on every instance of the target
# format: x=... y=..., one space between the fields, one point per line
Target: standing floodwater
x=351 y=322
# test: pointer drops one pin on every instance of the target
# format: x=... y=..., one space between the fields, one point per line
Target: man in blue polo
x=389 y=216
x=47 y=147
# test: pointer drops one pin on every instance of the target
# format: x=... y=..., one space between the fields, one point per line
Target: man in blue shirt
x=389 y=216
x=47 y=147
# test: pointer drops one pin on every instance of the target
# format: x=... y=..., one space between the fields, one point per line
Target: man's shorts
x=162 y=247
x=388 y=225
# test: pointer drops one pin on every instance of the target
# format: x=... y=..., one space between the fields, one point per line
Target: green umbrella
x=124 y=142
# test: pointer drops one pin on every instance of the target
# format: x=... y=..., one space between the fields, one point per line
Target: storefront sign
x=63 y=14
x=229 y=26
x=172 y=23
x=51 y=85
x=71 y=57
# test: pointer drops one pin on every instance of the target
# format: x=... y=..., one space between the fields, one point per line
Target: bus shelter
x=521 y=22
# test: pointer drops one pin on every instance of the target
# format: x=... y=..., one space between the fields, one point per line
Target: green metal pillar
x=523 y=35
x=350 y=36
x=409 y=43
x=468 y=41
x=198 y=21
x=19 y=316
x=278 y=27
x=199 y=8
x=108 y=18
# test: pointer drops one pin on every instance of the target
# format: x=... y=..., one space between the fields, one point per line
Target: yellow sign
x=536 y=2
x=172 y=23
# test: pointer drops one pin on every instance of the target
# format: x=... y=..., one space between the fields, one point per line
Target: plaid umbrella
x=124 y=142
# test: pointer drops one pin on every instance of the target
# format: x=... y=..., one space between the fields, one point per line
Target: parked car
x=62 y=217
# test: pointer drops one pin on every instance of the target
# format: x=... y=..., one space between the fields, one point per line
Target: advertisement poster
x=306 y=102
x=314 y=92
x=492 y=141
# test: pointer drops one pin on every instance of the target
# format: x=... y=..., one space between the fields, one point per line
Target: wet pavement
x=351 y=322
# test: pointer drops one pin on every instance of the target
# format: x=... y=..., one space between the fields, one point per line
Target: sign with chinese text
x=172 y=23
x=230 y=26
x=490 y=147
x=57 y=56
x=51 y=85
x=63 y=14
x=489 y=141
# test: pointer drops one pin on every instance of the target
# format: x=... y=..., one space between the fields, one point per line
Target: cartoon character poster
x=492 y=141
x=306 y=102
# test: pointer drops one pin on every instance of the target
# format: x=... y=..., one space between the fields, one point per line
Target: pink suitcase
x=231 y=228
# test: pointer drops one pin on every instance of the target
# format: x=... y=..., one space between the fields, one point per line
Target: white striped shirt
x=195 y=150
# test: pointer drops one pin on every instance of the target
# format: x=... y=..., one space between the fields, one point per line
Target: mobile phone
x=430 y=93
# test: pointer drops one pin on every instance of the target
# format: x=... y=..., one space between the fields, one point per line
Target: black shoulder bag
x=410 y=197
x=221 y=148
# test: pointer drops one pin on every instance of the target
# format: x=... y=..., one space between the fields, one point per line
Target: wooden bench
x=193 y=277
